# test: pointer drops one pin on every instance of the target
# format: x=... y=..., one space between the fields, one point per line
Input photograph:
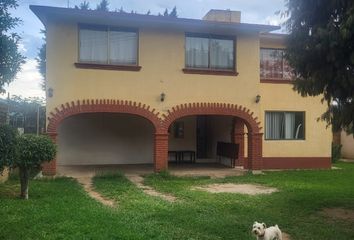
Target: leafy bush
x=26 y=152
x=8 y=137
x=32 y=151
x=336 y=152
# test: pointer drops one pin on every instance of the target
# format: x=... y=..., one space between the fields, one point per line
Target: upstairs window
x=108 y=45
x=284 y=125
x=273 y=65
x=210 y=52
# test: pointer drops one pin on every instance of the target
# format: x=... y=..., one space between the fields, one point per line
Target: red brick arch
x=254 y=160
x=223 y=109
x=161 y=126
x=100 y=106
x=96 y=106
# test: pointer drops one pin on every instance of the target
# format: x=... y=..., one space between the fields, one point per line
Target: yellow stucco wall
x=161 y=55
x=281 y=97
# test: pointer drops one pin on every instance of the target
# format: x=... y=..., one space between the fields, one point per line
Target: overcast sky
x=28 y=80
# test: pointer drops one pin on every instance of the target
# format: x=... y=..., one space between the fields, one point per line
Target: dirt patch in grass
x=250 y=189
x=139 y=182
x=286 y=236
x=87 y=184
x=339 y=214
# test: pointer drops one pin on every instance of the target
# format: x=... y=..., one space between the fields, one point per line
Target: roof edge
x=46 y=12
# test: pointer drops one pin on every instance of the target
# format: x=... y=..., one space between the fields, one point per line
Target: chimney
x=223 y=16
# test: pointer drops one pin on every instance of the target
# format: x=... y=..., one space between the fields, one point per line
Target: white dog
x=264 y=233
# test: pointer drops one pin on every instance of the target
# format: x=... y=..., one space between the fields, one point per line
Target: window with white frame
x=284 y=125
x=210 y=52
x=108 y=45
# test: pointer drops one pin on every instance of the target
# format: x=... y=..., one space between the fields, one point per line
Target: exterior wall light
x=50 y=92
x=258 y=98
x=162 y=97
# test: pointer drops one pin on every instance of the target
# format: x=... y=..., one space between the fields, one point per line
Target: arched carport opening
x=241 y=117
x=199 y=140
x=238 y=118
x=105 y=139
x=102 y=132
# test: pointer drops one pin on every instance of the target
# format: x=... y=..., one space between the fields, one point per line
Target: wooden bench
x=191 y=154
x=175 y=154
x=179 y=156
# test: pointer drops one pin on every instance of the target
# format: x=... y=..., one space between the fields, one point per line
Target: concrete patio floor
x=213 y=170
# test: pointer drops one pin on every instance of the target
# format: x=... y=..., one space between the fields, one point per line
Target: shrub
x=32 y=151
x=8 y=137
x=336 y=152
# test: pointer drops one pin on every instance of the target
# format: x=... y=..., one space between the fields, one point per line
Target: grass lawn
x=60 y=209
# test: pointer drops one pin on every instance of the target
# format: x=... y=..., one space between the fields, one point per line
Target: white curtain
x=289 y=125
x=93 y=46
x=197 y=51
x=297 y=133
x=221 y=54
x=123 y=47
x=274 y=125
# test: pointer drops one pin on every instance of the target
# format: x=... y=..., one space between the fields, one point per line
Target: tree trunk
x=24 y=179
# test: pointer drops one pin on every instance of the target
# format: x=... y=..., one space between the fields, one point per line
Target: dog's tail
x=280 y=235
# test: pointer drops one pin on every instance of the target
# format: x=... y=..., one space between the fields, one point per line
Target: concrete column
x=161 y=152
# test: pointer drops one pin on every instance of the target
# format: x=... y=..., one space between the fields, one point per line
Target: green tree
x=83 y=6
x=173 y=13
x=103 y=6
x=27 y=113
x=165 y=14
x=320 y=50
x=32 y=151
x=8 y=142
x=121 y=10
x=10 y=57
x=42 y=61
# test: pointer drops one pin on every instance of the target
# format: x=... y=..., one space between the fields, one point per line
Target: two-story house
x=132 y=89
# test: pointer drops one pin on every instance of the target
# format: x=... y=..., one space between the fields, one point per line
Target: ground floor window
x=284 y=125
